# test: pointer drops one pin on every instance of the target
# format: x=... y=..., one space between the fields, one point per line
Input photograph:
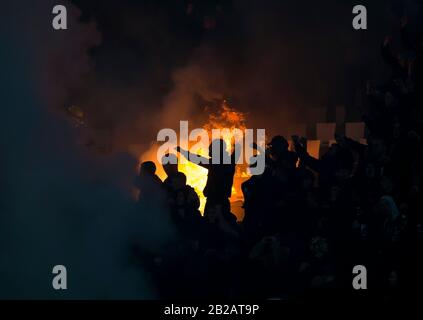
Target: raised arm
x=305 y=158
x=203 y=161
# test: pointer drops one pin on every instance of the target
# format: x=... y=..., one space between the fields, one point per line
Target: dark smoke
x=59 y=202
x=274 y=60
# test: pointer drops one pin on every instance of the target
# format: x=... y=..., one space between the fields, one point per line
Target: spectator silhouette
x=279 y=155
x=220 y=176
x=184 y=201
x=170 y=167
x=364 y=207
x=149 y=184
x=267 y=194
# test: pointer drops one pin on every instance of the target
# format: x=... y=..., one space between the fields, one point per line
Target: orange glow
x=196 y=178
x=225 y=118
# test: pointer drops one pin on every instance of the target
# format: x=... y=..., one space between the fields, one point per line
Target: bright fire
x=225 y=118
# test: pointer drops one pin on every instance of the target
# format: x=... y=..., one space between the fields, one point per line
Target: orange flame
x=225 y=118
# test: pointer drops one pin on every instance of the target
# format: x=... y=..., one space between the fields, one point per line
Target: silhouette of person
x=220 y=176
x=170 y=167
x=267 y=194
x=183 y=200
x=279 y=153
x=148 y=183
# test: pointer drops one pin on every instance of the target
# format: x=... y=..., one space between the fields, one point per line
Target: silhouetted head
x=218 y=145
x=278 y=145
x=147 y=168
x=170 y=164
x=179 y=180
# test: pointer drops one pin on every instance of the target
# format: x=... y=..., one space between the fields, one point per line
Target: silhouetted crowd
x=308 y=221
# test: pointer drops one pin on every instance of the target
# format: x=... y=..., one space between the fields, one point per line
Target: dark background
x=135 y=67
x=272 y=59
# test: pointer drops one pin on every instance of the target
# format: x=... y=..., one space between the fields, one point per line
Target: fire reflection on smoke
x=226 y=118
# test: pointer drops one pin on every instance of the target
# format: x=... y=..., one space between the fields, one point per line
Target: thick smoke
x=60 y=204
x=275 y=60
